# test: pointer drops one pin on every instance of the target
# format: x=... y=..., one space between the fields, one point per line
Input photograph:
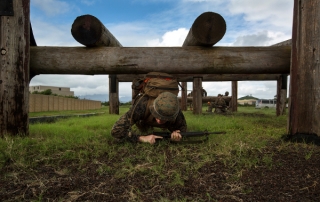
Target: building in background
x=64 y=91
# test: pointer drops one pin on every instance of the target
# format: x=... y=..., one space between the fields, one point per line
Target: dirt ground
x=293 y=175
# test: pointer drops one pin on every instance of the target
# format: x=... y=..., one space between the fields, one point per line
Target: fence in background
x=40 y=103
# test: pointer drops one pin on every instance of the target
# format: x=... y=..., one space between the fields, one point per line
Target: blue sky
x=152 y=23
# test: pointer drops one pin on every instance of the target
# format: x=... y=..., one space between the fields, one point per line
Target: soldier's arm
x=179 y=124
x=121 y=129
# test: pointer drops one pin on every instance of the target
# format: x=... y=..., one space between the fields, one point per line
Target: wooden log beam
x=89 y=31
x=208 y=99
x=207 y=30
x=14 y=71
x=208 y=77
x=173 y=60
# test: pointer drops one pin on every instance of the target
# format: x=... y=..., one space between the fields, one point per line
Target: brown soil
x=293 y=175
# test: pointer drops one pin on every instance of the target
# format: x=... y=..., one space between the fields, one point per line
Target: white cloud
x=80 y=84
x=274 y=12
x=48 y=34
x=52 y=7
x=264 y=38
x=170 y=38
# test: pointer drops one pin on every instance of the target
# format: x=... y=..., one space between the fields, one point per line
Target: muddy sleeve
x=121 y=129
x=179 y=124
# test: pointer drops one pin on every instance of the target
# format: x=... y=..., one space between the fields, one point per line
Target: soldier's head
x=226 y=93
x=165 y=107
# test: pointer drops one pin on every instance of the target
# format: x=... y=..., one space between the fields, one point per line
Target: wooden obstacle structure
x=300 y=60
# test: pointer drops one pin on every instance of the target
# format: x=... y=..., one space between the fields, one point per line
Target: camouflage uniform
x=220 y=105
x=144 y=121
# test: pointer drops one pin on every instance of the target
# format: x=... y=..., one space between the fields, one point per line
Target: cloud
x=52 y=7
x=259 y=89
x=170 y=38
x=48 y=34
x=273 y=12
x=80 y=84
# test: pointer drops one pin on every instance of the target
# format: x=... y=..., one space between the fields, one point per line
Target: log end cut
x=87 y=30
x=209 y=28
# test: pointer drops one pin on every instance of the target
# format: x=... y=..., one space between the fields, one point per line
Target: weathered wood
x=208 y=77
x=32 y=43
x=184 y=92
x=281 y=95
x=173 y=60
x=284 y=43
x=207 y=30
x=14 y=72
x=304 y=103
x=197 y=95
x=234 y=100
x=208 y=99
x=113 y=94
x=89 y=31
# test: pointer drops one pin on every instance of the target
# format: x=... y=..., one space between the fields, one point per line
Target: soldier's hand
x=149 y=138
x=176 y=136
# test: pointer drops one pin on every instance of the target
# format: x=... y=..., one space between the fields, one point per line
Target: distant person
x=226 y=94
x=220 y=105
x=190 y=95
x=146 y=113
x=210 y=105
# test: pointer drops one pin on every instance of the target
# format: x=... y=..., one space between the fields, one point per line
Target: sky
x=165 y=23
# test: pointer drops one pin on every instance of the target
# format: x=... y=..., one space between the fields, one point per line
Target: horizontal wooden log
x=207 y=77
x=178 y=60
x=207 y=30
x=89 y=31
x=284 y=43
x=208 y=99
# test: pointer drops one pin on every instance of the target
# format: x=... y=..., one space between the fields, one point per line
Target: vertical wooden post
x=184 y=96
x=304 y=103
x=234 y=99
x=113 y=94
x=14 y=72
x=281 y=95
x=197 y=95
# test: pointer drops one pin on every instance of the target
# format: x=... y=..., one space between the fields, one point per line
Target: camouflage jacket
x=220 y=102
x=143 y=120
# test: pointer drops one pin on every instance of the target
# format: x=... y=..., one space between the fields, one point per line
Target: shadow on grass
x=303 y=138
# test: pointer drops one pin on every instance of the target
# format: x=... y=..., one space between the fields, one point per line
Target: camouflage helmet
x=165 y=107
x=226 y=93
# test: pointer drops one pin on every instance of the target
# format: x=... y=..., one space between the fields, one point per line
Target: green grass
x=78 y=142
x=83 y=139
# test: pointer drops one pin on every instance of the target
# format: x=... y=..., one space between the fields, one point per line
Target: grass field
x=85 y=146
